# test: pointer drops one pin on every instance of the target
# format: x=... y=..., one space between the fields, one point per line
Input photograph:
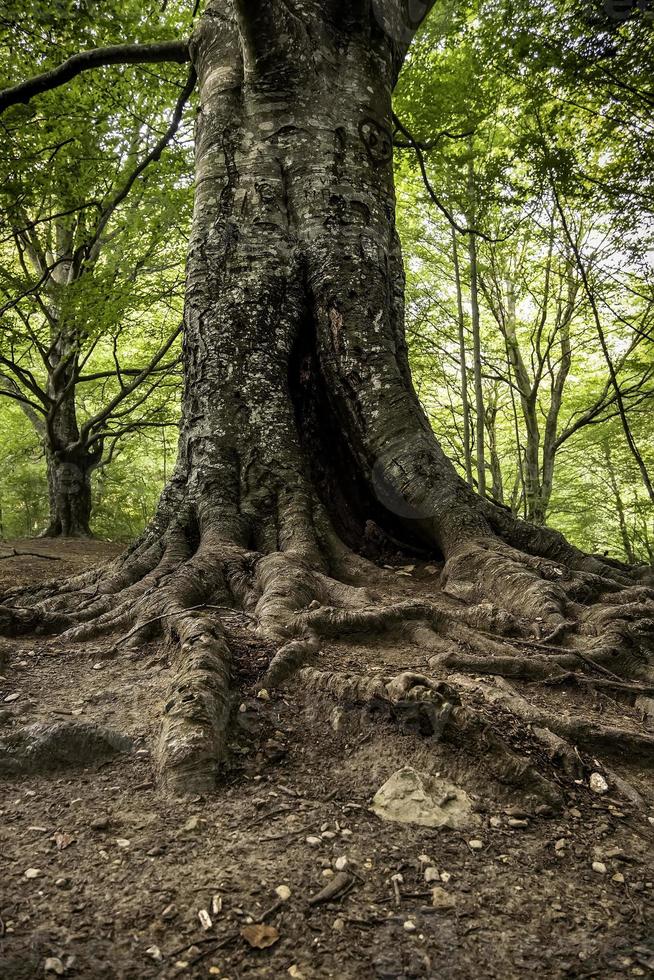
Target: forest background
x=524 y=157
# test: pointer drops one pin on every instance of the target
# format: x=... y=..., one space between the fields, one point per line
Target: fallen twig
x=333 y=888
x=30 y=554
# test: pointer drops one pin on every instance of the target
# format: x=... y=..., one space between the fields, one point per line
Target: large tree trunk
x=302 y=440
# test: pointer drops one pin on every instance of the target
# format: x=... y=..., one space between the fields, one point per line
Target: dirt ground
x=103 y=876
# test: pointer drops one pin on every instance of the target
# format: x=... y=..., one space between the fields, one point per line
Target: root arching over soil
x=187 y=583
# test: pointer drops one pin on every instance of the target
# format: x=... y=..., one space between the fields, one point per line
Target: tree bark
x=476 y=327
x=302 y=441
x=465 y=401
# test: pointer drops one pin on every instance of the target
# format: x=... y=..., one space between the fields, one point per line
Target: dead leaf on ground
x=260 y=936
x=62 y=840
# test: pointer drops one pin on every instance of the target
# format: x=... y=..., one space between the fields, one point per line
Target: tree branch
x=116 y=54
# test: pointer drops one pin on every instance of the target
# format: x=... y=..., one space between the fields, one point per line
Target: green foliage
x=558 y=99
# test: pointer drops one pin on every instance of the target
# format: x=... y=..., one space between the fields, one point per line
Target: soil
x=122 y=872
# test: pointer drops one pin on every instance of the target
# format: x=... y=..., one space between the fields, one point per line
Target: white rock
x=599 y=868
x=415 y=797
x=517 y=824
x=155 y=953
x=431 y=874
x=409 y=926
x=338 y=925
x=341 y=863
x=263 y=695
x=33 y=873
x=328 y=835
x=123 y=842
x=11 y=697
x=283 y=892
x=597 y=783
x=205 y=919
x=54 y=965
x=476 y=845
x=314 y=841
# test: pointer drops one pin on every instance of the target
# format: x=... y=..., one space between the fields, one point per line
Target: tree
x=79 y=272
x=302 y=440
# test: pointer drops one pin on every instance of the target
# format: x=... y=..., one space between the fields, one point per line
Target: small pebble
x=54 y=965
x=495 y=822
x=440 y=899
x=11 y=697
x=518 y=824
x=328 y=835
x=313 y=841
x=409 y=926
x=475 y=845
x=205 y=919
x=599 y=867
x=618 y=877
x=431 y=874
x=338 y=925
x=341 y=863
x=169 y=912
x=283 y=892
x=328 y=873
x=597 y=783
x=33 y=873
x=263 y=695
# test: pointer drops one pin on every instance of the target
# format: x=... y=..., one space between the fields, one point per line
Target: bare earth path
x=118 y=873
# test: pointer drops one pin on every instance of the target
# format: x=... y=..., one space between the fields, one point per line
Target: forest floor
x=102 y=876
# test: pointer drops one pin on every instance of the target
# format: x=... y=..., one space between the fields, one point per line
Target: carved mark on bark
x=377 y=141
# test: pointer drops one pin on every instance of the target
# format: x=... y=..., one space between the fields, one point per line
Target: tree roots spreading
x=548 y=623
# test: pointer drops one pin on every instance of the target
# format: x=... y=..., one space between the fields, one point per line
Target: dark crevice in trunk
x=362 y=522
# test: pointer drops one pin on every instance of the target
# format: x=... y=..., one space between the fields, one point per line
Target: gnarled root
x=436 y=711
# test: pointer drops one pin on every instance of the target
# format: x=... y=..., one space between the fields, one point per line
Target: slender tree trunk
x=619 y=505
x=69 y=463
x=490 y=418
x=476 y=329
x=465 y=401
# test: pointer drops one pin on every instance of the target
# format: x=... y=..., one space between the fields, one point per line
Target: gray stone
x=414 y=797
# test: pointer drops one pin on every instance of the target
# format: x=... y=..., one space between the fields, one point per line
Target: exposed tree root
x=588 y=734
x=435 y=710
x=183 y=583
